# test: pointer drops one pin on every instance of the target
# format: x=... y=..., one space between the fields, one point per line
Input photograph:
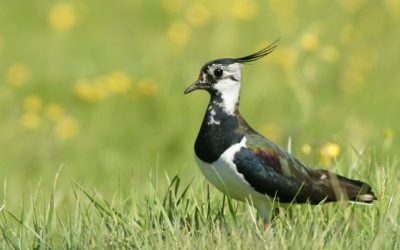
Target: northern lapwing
x=248 y=167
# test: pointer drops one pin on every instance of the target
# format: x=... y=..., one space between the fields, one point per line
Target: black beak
x=196 y=85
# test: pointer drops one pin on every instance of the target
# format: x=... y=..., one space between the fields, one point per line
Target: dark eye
x=218 y=73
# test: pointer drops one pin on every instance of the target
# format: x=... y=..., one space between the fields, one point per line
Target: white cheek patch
x=228 y=86
x=235 y=71
x=229 y=90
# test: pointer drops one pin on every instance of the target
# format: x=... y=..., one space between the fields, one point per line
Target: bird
x=245 y=165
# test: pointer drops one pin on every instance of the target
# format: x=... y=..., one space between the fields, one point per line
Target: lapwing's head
x=222 y=77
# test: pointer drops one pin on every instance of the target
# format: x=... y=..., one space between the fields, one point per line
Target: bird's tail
x=354 y=190
x=348 y=189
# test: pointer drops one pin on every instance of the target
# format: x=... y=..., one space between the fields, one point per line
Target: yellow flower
x=118 y=82
x=100 y=88
x=330 y=54
x=54 y=112
x=17 y=74
x=33 y=103
x=306 y=149
x=66 y=128
x=309 y=41
x=393 y=6
x=198 y=15
x=388 y=133
x=244 y=9
x=30 y=120
x=63 y=17
x=147 y=88
x=329 y=152
x=179 y=33
x=85 y=91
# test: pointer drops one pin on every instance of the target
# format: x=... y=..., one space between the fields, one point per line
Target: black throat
x=218 y=132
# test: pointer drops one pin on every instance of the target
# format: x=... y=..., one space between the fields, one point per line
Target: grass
x=94 y=88
x=196 y=216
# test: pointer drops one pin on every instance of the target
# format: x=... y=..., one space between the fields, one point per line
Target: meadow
x=96 y=136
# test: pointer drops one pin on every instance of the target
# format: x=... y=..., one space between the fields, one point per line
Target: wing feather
x=273 y=171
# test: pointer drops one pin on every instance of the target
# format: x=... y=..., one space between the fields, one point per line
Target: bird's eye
x=218 y=73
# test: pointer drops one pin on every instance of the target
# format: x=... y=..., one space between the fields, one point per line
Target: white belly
x=223 y=175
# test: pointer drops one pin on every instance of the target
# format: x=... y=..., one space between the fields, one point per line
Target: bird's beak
x=196 y=85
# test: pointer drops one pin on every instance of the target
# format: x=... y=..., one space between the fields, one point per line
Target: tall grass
x=195 y=215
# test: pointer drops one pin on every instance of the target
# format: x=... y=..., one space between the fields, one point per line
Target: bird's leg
x=268 y=222
x=264 y=208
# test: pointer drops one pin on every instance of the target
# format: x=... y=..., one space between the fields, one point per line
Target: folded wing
x=273 y=171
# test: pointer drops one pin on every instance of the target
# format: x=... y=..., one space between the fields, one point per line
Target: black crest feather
x=259 y=54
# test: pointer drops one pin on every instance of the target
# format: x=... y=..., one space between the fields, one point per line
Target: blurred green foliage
x=97 y=86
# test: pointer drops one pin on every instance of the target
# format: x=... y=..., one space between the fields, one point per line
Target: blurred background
x=96 y=87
